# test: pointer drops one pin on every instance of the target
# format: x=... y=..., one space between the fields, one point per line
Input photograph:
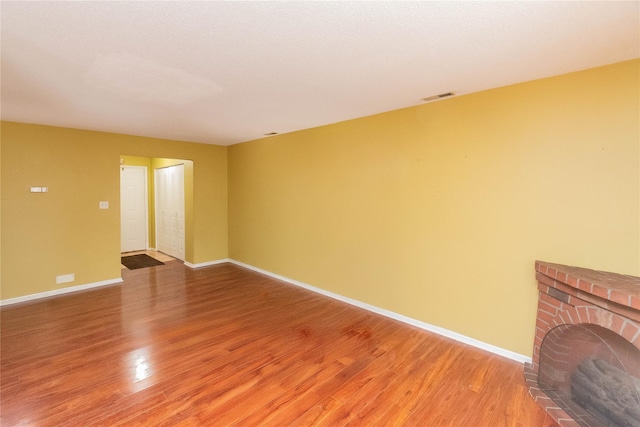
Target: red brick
x=561 y=277
x=551 y=272
x=572 y=281
x=571 y=315
x=536 y=393
x=619 y=297
x=635 y=302
x=557 y=413
x=550 y=300
x=546 y=402
x=548 y=307
x=592 y=299
x=540 y=267
x=528 y=372
x=537 y=343
x=562 y=319
x=583 y=317
x=585 y=285
x=544 y=295
x=635 y=316
x=630 y=331
x=566 y=288
x=617 y=323
x=545 y=319
x=546 y=280
x=600 y=291
x=604 y=318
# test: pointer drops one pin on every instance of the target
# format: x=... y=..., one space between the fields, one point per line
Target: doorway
x=170 y=210
x=133 y=208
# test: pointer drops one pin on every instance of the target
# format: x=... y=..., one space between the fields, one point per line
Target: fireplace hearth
x=585 y=369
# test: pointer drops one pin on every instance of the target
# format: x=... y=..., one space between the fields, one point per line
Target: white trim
x=402 y=318
x=61 y=291
x=208 y=263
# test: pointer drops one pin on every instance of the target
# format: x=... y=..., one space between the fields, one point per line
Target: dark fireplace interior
x=593 y=374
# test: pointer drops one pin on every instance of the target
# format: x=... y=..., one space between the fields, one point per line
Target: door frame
x=146 y=203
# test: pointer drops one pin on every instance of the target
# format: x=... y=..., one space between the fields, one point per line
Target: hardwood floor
x=224 y=346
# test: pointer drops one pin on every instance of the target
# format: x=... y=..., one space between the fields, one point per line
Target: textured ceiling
x=227 y=72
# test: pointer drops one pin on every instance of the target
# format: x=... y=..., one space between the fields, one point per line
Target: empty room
x=320 y=213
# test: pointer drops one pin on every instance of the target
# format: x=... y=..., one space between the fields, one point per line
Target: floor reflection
x=139 y=367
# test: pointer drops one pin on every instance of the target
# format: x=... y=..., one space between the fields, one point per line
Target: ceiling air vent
x=436 y=97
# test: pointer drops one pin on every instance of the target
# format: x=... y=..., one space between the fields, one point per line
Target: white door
x=133 y=208
x=170 y=235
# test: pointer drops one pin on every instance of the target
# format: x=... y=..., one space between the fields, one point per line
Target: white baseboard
x=387 y=313
x=60 y=291
x=207 y=264
x=392 y=315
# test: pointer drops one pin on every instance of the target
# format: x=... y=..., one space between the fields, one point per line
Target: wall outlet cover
x=65 y=278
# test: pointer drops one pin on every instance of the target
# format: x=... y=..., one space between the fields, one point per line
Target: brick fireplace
x=587 y=321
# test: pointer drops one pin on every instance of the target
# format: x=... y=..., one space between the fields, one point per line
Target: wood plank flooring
x=224 y=346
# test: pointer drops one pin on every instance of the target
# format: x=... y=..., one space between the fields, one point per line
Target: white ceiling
x=227 y=72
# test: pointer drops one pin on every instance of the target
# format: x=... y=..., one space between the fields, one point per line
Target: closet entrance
x=169 y=190
x=156 y=205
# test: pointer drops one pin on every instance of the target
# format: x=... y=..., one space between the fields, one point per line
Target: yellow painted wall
x=437 y=212
x=63 y=231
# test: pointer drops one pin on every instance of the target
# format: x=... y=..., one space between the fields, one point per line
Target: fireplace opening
x=592 y=373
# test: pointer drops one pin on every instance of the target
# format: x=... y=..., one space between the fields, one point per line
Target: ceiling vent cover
x=436 y=97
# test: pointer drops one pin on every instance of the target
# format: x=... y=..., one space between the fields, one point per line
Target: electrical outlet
x=65 y=278
x=104 y=205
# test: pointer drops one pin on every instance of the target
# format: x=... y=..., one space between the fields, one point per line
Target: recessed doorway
x=178 y=219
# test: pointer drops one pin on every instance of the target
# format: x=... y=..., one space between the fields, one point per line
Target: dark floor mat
x=133 y=262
